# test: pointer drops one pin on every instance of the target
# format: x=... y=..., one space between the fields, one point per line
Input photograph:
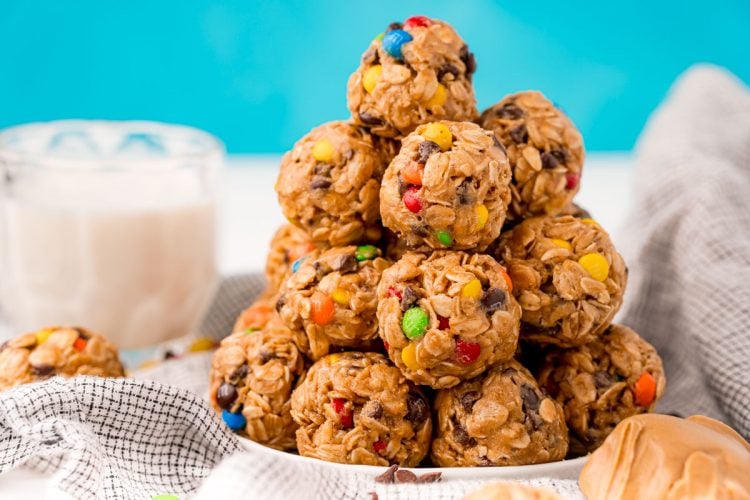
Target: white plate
x=564 y=469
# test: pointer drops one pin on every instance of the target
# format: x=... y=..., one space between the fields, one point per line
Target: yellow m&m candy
x=323 y=151
x=472 y=289
x=409 y=356
x=439 y=134
x=596 y=265
x=482 y=216
x=438 y=98
x=563 y=244
x=371 y=77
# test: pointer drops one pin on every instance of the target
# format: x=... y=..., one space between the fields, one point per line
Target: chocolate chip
x=373 y=409
x=369 y=119
x=408 y=298
x=427 y=149
x=239 y=373
x=345 y=264
x=280 y=302
x=394 y=26
x=468 y=399
x=320 y=183
x=370 y=57
x=603 y=379
x=530 y=397
x=169 y=354
x=82 y=333
x=226 y=396
x=405 y=476
x=519 y=134
x=485 y=462
x=448 y=69
x=549 y=160
x=462 y=437
x=560 y=155
x=493 y=299
x=465 y=191
x=510 y=111
x=265 y=356
x=468 y=59
x=420 y=230
x=498 y=144
x=534 y=419
x=323 y=169
x=42 y=370
x=387 y=476
x=430 y=477
x=416 y=408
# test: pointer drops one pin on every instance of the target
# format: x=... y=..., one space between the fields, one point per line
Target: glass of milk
x=108 y=225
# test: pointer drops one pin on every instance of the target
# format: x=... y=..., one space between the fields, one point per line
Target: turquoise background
x=259 y=74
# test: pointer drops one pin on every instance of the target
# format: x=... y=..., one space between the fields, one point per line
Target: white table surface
x=249 y=214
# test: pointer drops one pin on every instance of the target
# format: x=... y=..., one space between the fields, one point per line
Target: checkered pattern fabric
x=689 y=294
x=688 y=246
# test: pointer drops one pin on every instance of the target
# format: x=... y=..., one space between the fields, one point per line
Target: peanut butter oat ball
x=331 y=299
x=64 y=351
x=602 y=383
x=567 y=276
x=252 y=377
x=545 y=151
x=447 y=188
x=499 y=418
x=329 y=183
x=357 y=408
x=447 y=317
x=288 y=244
x=416 y=72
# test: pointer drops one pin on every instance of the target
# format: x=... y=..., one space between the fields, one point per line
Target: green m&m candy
x=365 y=252
x=415 y=322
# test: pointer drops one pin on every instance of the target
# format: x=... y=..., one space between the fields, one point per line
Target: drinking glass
x=108 y=225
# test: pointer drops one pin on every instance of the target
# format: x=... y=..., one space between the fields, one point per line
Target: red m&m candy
x=417 y=22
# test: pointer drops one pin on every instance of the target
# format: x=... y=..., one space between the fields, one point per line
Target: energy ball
x=567 y=276
x=602 y=383
x=447 y=317
x=499 y=418
x=545 y=151
x=331 y=299
x=288 y=244
x=357 y=408
x=329 y=183
x=447 y=188
x=57 y=350
x=416 y=72
x=252 y=377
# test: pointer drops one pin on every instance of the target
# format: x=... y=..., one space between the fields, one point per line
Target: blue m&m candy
x=234 y=421
x=393 y=41
x=297 y=263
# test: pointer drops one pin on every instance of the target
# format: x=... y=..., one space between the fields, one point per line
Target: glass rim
x=209 y=144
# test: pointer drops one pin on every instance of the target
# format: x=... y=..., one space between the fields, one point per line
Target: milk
x=138 y=276
x=119 y=242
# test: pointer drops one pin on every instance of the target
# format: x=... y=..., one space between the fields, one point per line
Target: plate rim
x=508 y=471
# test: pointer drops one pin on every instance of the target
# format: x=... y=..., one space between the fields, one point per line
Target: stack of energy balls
x=436 y=292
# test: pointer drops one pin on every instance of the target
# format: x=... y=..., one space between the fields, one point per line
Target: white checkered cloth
x=689 y=294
